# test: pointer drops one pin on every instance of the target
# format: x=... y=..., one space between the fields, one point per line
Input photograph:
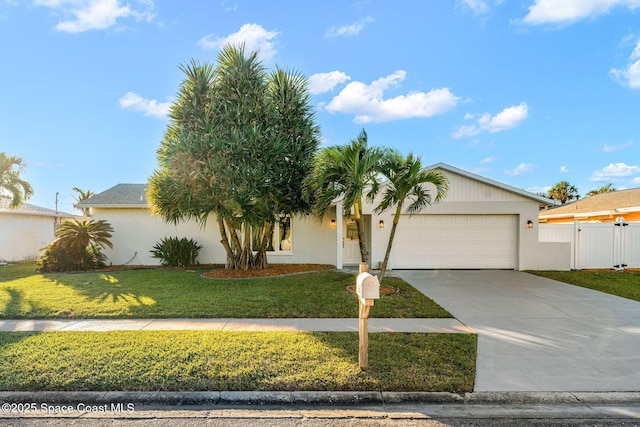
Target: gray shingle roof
x=604 y=202
x=28 y=209
x=121 y=195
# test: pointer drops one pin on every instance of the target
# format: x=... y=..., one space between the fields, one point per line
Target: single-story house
x=480 y=224
x=26 y=229
x=600 y=208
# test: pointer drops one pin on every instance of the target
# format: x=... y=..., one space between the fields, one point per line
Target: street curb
x=334 y=398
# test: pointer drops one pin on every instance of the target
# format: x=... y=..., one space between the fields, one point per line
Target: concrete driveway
x=536 y=334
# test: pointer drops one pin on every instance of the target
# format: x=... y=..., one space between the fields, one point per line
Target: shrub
x=57 y=257
x=77 y=246
x=175 y=252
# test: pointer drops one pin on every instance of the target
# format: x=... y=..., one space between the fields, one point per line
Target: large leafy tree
x=563 y=192
x=10 y=169
x=239 y=145
x=351 y=172
x=604 y=189
x=407 y=182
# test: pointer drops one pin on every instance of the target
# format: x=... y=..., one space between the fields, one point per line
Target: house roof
x=28 y=209
x=611 y=203
x=121 y=195
x=542 y=201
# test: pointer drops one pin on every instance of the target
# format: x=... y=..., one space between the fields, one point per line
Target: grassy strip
x=169 y=293
x=625 y=284
x=214 y=360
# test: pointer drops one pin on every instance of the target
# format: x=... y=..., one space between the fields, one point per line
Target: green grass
x=625 y=284
x=176 y=293
x=214 y=360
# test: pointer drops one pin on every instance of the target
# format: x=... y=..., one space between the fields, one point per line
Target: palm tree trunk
x=396 y=220
x=245 y=261
x=360 y=227
x=260 y=260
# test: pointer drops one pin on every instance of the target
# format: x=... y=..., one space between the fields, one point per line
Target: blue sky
x=527 y=93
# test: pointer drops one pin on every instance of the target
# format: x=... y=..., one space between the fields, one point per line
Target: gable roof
x=601 y=204
x=119 y=196
x=542 y=201
x=28 y=209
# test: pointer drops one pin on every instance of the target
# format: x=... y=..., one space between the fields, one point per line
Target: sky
x=526 y=93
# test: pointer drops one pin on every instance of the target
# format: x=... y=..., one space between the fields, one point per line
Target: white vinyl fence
x=609 y=245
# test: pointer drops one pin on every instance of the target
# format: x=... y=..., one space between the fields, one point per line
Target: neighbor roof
x=121 y=195
x=28 y=209
x=605 y=203
x=543 y=201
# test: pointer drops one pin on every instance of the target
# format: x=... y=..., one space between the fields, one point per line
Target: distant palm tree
x=604 y=189
x=407 y=179
x=563 y=192
x=10 y=169
x=349 y=171
x=82 y=196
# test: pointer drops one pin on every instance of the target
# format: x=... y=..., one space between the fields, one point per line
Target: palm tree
x=563 y=192
x=407 y=181
x=604 y=189
x=10 y=169
x=350 y=172
x=83 y=195
x=81 y=237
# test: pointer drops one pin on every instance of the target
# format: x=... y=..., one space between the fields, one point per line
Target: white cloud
x=325 y=82
x=570 y=11
x=614 y=172
x=629 y=75
x=508 y=118
x=611 y=148
x=478 y=7
x=521 y=169
x=489 y=159
x=368 y=104
x=564 y=169
x=349 y=30
x=539 y=190
x=85 y=15
x=150 y=107
x=253 y=36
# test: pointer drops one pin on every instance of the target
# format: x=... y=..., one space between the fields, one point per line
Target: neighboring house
x=26 y=229
x=480 y=224
x=604 y=207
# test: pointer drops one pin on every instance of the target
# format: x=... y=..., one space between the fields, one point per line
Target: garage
x=456 y=242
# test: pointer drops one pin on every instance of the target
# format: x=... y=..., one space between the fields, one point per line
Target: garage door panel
x=455 y=241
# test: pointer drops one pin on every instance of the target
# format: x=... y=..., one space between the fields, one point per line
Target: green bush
x=176 y=252
x=57 y=257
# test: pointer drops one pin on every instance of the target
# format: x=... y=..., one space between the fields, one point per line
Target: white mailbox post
x=368 y=290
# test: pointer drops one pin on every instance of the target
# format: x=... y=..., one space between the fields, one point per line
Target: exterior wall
x=470 y=197
x=136 y=231
x=22 y=236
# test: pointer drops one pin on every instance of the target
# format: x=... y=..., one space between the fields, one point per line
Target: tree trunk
x=236 y=243
x=360 y=227
x=396 y=220
x=260 y=260
x=231 y=258
x=245 y=260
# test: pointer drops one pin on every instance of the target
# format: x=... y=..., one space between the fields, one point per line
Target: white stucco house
x=481 y=224
x=26 y=229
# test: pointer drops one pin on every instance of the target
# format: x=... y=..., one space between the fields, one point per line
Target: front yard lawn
x=177 y=293
x=214 y=360
x=625 y=284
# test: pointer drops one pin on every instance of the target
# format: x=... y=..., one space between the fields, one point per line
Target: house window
x=280 y=239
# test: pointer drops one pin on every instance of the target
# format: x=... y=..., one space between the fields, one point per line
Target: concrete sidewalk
x=313 y=325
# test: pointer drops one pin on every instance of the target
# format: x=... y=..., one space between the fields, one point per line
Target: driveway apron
x=537 y=334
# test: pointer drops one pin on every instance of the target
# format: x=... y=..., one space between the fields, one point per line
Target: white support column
x=339 y=235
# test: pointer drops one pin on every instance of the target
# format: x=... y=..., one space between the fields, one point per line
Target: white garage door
x=455 y=241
